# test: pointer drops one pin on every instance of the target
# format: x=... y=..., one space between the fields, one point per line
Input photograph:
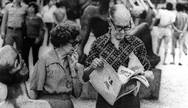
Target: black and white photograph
x=93 y=53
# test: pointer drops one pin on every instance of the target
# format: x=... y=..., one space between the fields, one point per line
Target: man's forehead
x=121 y=16
x=121 y=22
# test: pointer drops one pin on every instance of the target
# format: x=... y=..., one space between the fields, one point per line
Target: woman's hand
x=96 y=64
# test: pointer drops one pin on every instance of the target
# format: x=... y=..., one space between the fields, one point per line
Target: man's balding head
x=120 y=15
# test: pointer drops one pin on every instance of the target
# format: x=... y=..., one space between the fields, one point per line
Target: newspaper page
x=106 y=82
x=113 y=85
x=129 y=80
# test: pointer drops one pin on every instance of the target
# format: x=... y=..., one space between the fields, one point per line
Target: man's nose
x=122 y=31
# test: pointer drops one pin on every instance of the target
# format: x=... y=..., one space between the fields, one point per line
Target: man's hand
x=17 y=65
x=97 y=63
x=149 y=75
x=3 y=36
x=181 y=35
x=37 y=40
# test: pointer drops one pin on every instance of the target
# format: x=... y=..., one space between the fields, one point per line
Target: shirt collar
x=53 y=57
x=108 y=38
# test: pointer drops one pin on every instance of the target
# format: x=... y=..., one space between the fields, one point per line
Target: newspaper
x=126 y=75
x=113 y=85
x=106 y=82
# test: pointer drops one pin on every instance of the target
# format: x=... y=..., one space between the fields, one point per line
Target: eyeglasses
x=74 y=42
x=121 y=28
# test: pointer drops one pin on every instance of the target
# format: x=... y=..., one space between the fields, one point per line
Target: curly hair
x=35 y=6
x=62 y=34
x=6 y=67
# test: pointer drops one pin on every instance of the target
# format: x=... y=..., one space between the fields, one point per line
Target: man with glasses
x=118 y=48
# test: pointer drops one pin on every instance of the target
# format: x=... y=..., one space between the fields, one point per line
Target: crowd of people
x=172 y=28
x=117 y=31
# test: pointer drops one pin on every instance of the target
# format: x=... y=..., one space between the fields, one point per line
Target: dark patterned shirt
x=103 y=47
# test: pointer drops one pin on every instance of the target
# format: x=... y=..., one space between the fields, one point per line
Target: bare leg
x=174 y=40
x=185 y=48
x=185 y=43
x=180 y=43
x=159 y=41
x=166 y=46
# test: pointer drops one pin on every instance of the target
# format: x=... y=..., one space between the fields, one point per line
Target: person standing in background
x=164 y=20
x=47 y=16
x=12 y=27
x=180 y=31
x=60 y=14
x=93 y=21
x=34 y=32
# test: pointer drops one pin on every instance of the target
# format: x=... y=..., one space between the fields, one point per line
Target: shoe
x=180 y=64
x=172 y=63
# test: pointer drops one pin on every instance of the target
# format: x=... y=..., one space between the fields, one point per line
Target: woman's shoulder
x=46 y=53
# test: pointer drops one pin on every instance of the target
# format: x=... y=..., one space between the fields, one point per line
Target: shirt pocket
x=54 y=71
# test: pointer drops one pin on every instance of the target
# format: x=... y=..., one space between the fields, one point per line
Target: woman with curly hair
x=55 y=75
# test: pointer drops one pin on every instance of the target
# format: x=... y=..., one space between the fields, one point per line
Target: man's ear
x=111 y=24
x=3 y=92
x=17 y=64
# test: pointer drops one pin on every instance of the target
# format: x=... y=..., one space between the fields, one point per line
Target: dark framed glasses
x=74 y=42
x=121 y=28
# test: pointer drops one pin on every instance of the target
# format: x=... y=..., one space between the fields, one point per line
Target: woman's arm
x=86 y=73
x=37 y=78
x=176 y=29
x=33 y=94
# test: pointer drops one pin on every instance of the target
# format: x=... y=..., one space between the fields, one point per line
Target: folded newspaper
x=113 y=85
